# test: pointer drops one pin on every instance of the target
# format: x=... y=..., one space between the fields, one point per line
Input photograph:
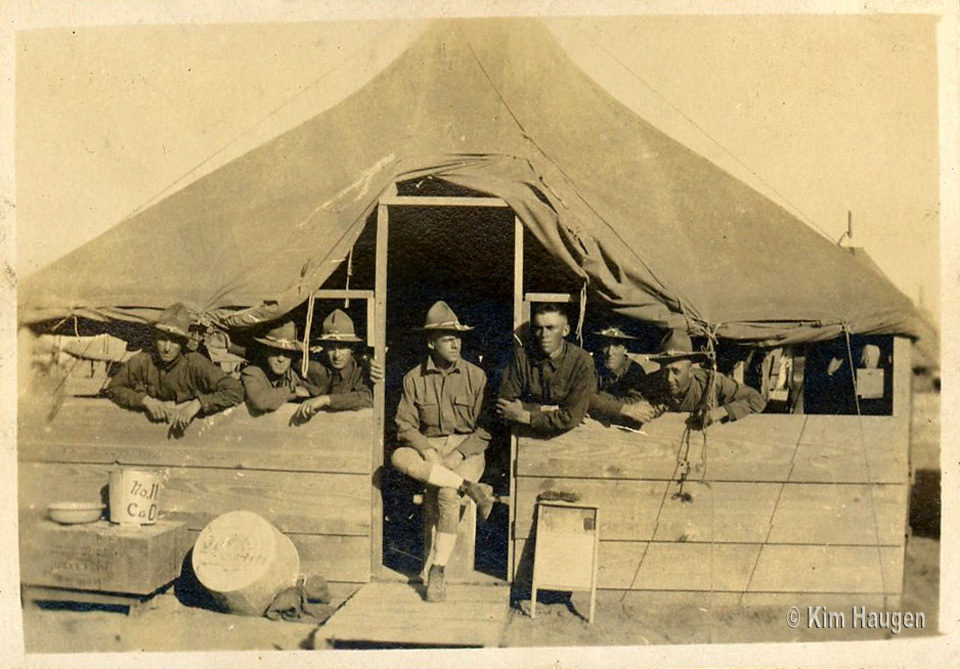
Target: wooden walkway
x=394 y=615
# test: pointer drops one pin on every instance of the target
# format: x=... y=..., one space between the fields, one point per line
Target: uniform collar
x=554 y=361
x=431 y=367
x=167 y=366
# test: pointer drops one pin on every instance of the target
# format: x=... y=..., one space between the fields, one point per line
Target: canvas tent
x=656 y=232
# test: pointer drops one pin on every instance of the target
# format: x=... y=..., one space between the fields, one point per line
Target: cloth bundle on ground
x=307 y=602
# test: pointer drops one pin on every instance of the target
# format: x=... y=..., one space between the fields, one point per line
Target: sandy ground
x=166 y=624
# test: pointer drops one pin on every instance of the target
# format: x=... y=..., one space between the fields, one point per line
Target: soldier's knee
x=405 y=459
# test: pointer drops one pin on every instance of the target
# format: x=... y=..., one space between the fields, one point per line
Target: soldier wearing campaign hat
x=619 y=396
x=681 y=384
x=339 y=383
x=173 y=383
x=440 y=427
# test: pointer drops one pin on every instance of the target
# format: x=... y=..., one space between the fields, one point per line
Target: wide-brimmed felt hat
x=176 y=320
x=282 y=336
x=676 y=345
x=613 y=332
x=440 y=317
x=338 y=327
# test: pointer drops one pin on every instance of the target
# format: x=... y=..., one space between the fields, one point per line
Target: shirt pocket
x=463 y=410
x=429 y=414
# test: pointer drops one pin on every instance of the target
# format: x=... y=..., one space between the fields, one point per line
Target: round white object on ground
x=245 y=561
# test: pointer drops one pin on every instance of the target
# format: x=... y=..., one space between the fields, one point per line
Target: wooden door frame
x=389 y=199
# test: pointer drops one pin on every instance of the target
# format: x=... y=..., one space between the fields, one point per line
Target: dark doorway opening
x=464 y=256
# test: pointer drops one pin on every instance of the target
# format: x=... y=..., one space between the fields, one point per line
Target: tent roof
x=660 y=233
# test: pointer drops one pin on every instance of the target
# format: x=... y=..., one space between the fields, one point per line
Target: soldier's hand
x=156 y=410
x=433 y=455
x=184 y=414
x=642 y=411
x=512 y=411
x=453 y=460
x=301 y=392
x=376 y=371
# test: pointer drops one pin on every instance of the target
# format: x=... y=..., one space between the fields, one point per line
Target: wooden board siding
x=95 y=430
x=313 y=482
x=778 y=504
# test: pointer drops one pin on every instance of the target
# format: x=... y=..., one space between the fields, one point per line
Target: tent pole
x=517 y=320
x=376 y=464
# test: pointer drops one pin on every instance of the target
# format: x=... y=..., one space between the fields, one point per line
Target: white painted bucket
x=244 y=561
x=135 y=496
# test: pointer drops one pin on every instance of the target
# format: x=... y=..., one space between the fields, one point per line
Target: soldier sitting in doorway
x=681 y=384
x=439 y=425
x=619 y=398
x=339 y=383
x=173 y=383
x=548 y=387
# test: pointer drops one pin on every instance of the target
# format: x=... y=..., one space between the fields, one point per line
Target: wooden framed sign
x=567 y=548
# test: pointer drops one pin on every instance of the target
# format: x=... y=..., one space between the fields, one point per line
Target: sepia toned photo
x=339 y=337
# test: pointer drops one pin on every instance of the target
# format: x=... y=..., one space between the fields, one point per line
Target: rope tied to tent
x=582 y=314
x=305 y=358
x=346 y=300
x=699 y=420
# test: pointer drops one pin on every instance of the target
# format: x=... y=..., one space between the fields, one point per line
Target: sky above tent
x=822 y=114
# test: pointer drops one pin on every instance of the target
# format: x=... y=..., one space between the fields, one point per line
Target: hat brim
x=456 y=327
x=674 y=356
x=608 y=335
x=283 y=345
x=340 y=339
x=169 y=329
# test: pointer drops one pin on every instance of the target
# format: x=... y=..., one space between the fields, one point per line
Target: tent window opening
x=833 y=386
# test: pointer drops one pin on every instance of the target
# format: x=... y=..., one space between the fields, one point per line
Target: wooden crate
x=102 y=557
x=313 y=482
x=778 y=504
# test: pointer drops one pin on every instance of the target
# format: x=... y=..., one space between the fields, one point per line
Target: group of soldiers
x=443 y=419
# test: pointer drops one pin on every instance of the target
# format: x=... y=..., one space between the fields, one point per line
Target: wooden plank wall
x=313 y=481
x=785 y=504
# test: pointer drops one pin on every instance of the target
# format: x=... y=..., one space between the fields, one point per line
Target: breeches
x=447 y=500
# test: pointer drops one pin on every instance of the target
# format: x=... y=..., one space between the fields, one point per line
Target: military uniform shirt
x=567 y=381
x=618 y=388
x=347 y=388
x=438 y=403
x=190 y=376
x=737 y=399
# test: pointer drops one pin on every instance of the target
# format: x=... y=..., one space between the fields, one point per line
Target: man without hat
x=439 y=426
x=681 y=383
x=339 y=383
x=174 y=383
x=548 y=387
x=619 y=397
